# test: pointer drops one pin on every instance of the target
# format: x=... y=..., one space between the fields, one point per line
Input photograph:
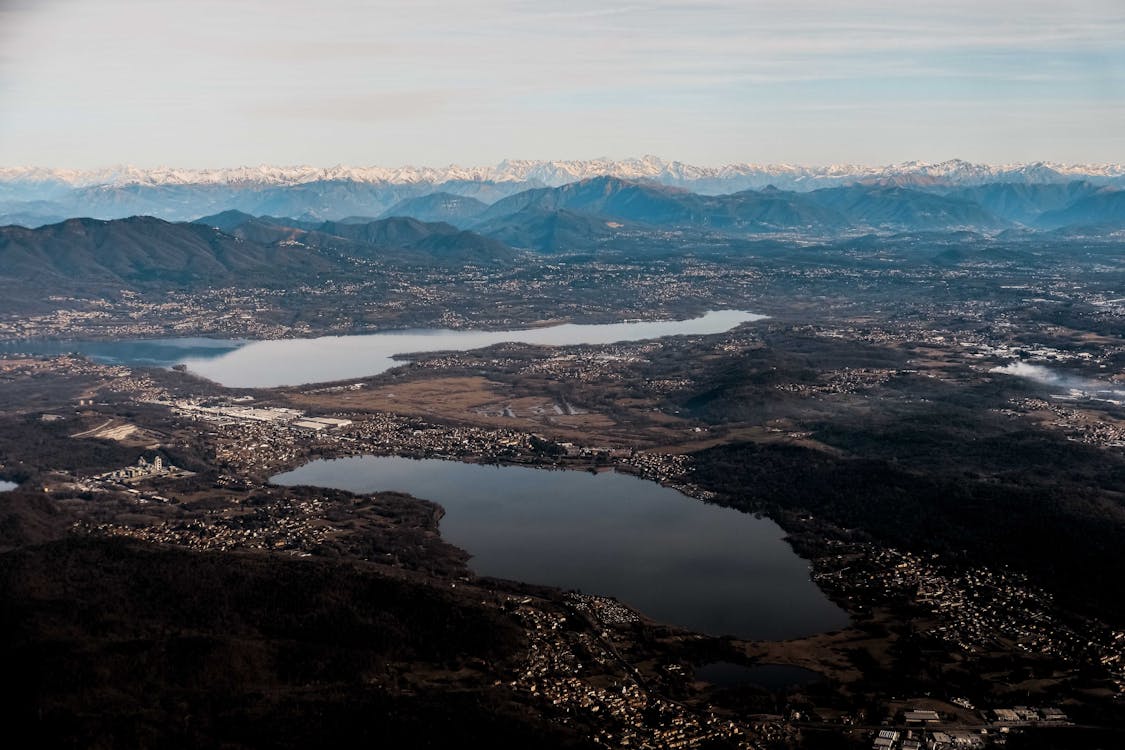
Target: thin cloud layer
x=208 y=82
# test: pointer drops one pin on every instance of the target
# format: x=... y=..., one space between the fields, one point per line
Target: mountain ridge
x=557 y=172
x=227 y=248
x=869 y=205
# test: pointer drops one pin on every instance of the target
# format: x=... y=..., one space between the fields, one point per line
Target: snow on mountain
x=726 y=178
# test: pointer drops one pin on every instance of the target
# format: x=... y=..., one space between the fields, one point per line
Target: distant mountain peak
x=553 y=173
x=638 y=189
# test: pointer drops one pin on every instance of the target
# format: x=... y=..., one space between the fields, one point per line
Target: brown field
x=486 y=403
x=473 y=400
x=827 y=654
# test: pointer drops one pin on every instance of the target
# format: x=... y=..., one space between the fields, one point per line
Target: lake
x=676 y=559
x=267 y=364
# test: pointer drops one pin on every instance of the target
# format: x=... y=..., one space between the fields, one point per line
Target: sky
x=206 y=83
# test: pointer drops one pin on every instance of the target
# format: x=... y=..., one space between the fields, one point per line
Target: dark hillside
x=162 y=647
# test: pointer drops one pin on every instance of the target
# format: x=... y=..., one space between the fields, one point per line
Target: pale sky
x=197 y=83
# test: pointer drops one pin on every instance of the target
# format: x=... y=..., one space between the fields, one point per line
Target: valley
x=876 y=376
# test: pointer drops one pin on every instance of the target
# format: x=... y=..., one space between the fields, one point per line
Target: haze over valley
x=776 y=197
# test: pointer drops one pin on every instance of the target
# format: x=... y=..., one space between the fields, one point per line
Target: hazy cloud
x=1056 y=378
x=442 y=81
x=371 y=108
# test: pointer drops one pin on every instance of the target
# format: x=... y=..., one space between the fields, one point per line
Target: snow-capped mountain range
x=1018 y=193
x=725 y=178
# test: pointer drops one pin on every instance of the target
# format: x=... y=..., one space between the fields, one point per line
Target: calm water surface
x=150 y=352
x=678 y=560
x=266 y=364
x=768 y=676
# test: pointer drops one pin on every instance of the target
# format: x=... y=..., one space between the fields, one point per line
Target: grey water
x=267 y=364
x=7 y=486
x=146 y=352
x=769 y=676
x=676 y=559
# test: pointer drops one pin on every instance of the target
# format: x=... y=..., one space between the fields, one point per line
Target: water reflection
x=264 y=364
x=678 y=560
x=238 y=363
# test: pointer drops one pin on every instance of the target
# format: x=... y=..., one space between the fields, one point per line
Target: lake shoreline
x=697 y=565
x=273 y=363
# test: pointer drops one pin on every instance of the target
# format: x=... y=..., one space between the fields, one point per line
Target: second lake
x=676 y=559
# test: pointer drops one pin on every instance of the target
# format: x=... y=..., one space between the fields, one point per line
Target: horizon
x=464 y=164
